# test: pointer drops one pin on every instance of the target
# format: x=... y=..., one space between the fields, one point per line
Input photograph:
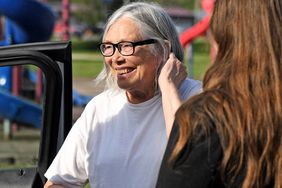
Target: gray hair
x=154 y=23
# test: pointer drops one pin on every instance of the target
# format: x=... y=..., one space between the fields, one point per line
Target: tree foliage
x=93 y=11
x=90 y=12
x=187 y=4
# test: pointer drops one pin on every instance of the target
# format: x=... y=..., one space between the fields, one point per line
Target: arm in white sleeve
x=68 y=167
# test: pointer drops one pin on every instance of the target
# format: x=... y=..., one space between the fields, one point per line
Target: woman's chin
x=123 y=84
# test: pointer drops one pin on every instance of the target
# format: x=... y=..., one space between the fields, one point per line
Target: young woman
x=231 y=134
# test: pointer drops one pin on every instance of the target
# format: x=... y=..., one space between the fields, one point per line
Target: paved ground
x=84 y=87
x=22 y=150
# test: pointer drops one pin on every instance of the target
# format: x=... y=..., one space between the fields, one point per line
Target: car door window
x=21 y=97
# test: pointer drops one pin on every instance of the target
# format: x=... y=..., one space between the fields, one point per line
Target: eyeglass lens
x=125 y=48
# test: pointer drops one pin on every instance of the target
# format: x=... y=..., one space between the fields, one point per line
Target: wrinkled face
x=135 y=73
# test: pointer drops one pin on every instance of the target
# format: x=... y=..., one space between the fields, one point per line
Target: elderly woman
x=120 y=138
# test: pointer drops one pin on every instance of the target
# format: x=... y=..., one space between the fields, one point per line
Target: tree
x=89 y=12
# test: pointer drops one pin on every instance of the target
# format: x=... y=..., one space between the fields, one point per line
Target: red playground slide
x=199 y=28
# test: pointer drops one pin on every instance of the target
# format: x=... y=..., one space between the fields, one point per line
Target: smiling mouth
x=125 y=71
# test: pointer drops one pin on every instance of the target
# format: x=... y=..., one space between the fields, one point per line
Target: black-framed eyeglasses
x=125 y=48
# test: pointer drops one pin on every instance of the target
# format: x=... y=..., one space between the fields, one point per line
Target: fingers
x=180 y=75
x=178 y=69
x=174 y=64
x=173 y=71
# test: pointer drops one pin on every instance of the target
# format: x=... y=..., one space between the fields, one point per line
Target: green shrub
x=81 y=45
x=201 y=45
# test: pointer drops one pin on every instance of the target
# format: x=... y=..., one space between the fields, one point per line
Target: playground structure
x=23 y=21
x=26 y=21
x=201 y=28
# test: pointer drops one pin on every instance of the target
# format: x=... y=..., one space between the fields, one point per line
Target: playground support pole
x=66 y=18
x=16 y=83
x=7 y=130
x=1 y=29
x=16 y=80
x=38 y=89
x=190 y=60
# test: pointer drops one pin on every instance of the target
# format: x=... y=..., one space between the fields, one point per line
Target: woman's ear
x=168 y=47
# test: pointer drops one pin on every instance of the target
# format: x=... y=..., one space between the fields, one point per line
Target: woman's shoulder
x=189 y=88
x=209 y=99
x=191 y=83
x=107 y=96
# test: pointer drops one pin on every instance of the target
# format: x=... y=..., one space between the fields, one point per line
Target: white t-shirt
x=115 y=144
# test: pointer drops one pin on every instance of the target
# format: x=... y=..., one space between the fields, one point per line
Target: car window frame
x=54 y=59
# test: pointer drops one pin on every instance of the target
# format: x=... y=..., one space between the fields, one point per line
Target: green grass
x=86 y=64
x=89 y=64
x=201 y=64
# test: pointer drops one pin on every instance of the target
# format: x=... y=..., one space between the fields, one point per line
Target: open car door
x=54 y=59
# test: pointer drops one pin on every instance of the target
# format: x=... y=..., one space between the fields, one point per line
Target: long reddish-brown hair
x=242 y=92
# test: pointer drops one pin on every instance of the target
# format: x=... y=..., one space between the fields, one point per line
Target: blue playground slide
x=25 y=21
x=20 y=110
x=78 y=99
